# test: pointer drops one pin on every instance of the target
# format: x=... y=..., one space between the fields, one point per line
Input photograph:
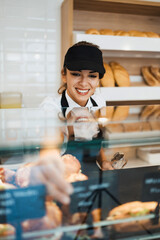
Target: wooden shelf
x=150 y=8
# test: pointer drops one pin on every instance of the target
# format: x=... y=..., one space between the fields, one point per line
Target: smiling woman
x=82 y=70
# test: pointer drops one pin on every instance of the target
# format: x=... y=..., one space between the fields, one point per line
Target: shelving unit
x=131 y=52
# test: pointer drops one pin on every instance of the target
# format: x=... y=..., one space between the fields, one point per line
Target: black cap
x=84 y=57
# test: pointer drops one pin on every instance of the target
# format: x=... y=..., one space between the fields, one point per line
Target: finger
x=56 y=177
x=57 y=194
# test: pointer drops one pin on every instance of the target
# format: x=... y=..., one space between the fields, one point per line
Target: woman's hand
x=49 y=170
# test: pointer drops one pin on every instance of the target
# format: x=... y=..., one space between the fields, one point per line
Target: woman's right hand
x=49 y=170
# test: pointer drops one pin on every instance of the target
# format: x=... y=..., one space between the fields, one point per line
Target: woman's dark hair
x=64 y=70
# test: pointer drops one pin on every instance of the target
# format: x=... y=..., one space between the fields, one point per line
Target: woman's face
x=81 y=85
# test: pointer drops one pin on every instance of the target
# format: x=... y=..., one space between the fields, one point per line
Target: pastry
x=120 y=74
x=148 y=77
x=155 y=72
x=132 y=209
x=145 y=126
x=114 y=127
x=147 y=111
x=121 y=33
x=152 y=34
x=108 y=78
x=120 y=113
x=135 y=33
x=155 y=125
x=106 y=32
x=132 y=127
x=92 y=31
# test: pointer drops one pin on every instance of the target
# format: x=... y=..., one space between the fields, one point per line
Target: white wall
x=30 y=48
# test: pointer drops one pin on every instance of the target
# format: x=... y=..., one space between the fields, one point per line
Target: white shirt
x=52 y=103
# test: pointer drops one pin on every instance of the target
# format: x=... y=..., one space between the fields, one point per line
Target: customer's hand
x=49 y=170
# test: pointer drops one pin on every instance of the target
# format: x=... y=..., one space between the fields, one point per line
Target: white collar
x=72 y=103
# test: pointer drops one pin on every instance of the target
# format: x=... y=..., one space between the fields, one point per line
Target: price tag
x=151 y=187
x=21 y=204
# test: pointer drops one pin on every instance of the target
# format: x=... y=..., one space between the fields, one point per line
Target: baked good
x=7 y=175
x=152 y=34
x=52 y=219
x=132 y=127
x=120 y=113
x=132 y=209
x=106 y=32
x=145 y=126
x=155 y=72
x=155 y=125
x=92 y=31
x=135 y=33
x=148 y=77
x=6 y=230
x=121 y=33
x=155 y=115
x=121 y=75
x=23 y=175
x=4 y=186
x=76 y=177
x=108 y=78
x=72 y=165
x=114 y=127
x=147 y=111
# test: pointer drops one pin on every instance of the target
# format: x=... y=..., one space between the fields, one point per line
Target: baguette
x=120 y=74
x=108 y=78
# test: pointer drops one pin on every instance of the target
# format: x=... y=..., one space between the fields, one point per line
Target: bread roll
x=120 y=113
x=121 y=33
x=106 y=32
x=148 y=77
x=114 y=127
x=147 y=111
x=108 y=78
x=155 y=72
x=121 y=76
x=132 y=127
x=145 y=126
x=6 y=230
x=135 y=33
x=152 y=34
x=155 y=115
x=155 y=125
x=92 y=31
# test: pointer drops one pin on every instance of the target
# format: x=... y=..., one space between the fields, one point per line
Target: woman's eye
x=92 y=76
x=75 y=74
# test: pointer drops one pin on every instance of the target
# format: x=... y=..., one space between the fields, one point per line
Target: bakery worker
x=82 y=70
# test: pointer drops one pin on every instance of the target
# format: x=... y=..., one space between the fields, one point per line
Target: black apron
x=65 y=105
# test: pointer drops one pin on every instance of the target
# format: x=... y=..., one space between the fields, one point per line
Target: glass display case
x=111 y=156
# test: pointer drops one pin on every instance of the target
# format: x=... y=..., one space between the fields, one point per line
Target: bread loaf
x=114 y=127
x=132 y=127
x=148 y=77
x=155 y=72
x=92 y=31
x=135 y=33
x=120 y=74
x=120 y=113
x=147 y=111
x=108 y=78
x=152 y=34
x=121 y=33
x=106 y=32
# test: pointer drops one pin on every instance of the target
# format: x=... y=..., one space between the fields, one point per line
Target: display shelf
x=129 y=93
x=122 y=43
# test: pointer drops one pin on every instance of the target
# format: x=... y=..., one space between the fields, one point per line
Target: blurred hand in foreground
x=49 y=170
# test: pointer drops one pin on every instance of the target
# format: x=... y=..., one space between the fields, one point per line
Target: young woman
x=82 y=70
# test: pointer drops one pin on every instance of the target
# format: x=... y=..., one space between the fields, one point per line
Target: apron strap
x=64 y=103
x=93 y=102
